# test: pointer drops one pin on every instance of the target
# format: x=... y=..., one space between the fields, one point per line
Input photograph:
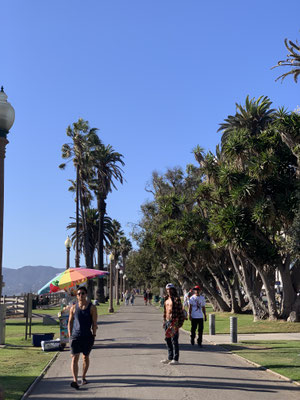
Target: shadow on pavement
x=63 y=390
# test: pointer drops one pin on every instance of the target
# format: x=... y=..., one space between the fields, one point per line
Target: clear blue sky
x=156 y=77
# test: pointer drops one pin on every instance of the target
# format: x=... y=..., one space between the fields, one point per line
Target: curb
x=37 y=379
x=265 y=369
x=255 y=364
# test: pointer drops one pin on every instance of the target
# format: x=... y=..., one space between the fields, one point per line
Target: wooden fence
x=16 y=305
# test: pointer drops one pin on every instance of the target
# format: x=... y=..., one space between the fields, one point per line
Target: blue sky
x=156 y=77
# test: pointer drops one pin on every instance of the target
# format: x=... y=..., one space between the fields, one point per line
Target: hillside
x=27 y=279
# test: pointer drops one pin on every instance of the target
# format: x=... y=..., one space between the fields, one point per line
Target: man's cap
x=196 y=287
x=169 y=286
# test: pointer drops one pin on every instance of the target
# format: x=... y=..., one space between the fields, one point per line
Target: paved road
x=125 y=364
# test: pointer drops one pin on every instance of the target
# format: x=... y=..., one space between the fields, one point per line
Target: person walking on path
x=173 y=320
x=127 y=297
x=186 y=298
x=196 y=312
x=82 y=329
x=145 y=297
x=132 y=297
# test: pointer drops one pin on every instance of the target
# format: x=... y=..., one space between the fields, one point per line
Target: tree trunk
x=268 y=277
x=240 y=299
x=288 y=291
x=100 y=283
x=258 y=309
x=221 y=287
x=77 y=256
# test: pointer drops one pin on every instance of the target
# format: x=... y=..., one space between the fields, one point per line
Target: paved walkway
x=125 y=364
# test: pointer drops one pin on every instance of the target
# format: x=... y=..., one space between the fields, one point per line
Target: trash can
x=38 y=337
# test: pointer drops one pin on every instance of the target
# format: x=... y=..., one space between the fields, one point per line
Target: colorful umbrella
x=70 y=277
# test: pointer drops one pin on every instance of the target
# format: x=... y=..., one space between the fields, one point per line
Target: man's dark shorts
x=81 y=345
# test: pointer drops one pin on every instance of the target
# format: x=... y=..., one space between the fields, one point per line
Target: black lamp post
x=111 y=284
x=68 y=244
x=117 y=284
x=7 y=117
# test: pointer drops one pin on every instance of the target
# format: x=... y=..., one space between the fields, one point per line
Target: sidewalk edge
x=38 y=378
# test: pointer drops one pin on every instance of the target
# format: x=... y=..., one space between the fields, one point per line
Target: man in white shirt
x=196 y=312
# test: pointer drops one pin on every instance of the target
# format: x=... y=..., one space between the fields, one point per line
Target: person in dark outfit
x=82 y=329
x=173 y=320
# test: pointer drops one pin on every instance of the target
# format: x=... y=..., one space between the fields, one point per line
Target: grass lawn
x=20 y=362
x=279 y=356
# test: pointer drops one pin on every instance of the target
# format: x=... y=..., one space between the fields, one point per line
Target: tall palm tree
x=107 y=165
x=292 y=60
x=83 y=139
x=126 y=248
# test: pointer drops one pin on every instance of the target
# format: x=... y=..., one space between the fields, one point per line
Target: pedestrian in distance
x=145 y=297
x=186 y=298
x=132 y=297
x=82 y=327
x=150 y=295
x=127 y=297
x=173 y=320
x=196 y=313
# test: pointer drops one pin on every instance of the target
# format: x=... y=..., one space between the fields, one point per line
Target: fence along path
x=16 y=305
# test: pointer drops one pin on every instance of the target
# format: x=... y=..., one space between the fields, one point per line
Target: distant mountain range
x=27 y=279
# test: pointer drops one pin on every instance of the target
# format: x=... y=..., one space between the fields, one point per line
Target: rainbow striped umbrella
x=69 y=278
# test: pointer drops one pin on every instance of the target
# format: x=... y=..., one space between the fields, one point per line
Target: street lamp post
x=68 y=244
x=124 y=283
x=117 y=284
x=121 y=284
x=7 y=117
x=111 y=304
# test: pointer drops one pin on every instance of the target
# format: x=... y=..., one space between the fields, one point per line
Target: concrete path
x=125 y=364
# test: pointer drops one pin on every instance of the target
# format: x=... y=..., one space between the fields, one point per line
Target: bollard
x=233 y=329
x=212 y=324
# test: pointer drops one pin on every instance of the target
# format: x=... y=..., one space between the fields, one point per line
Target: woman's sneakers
x=166 y=361
x=171 y=362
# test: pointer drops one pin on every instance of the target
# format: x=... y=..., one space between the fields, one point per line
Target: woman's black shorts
x=82 y=345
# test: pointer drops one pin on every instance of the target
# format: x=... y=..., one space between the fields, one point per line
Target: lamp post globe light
x=7 y=118
x=111 y=264
x=117 y=283
x=68 y=244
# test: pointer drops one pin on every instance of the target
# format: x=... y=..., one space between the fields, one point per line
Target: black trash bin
x=38 y=337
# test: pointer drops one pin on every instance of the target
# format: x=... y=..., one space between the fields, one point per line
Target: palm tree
x=126 y=247
x=83 y=139
x=292 y=60
x=255 y=116
x=92 y=222
x=106 y=163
